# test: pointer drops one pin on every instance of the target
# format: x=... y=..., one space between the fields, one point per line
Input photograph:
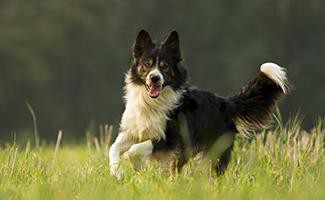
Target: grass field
x=285 y=163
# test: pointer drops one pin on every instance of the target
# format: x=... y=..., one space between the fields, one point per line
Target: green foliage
x=32 y=112
x=287 y=163
x=68 y=58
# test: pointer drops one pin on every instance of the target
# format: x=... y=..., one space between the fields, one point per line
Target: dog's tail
x=255 y=103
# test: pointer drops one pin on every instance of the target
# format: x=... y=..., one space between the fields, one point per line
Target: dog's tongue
x=155 y=90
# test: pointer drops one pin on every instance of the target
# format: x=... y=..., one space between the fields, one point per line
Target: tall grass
x=283 y=163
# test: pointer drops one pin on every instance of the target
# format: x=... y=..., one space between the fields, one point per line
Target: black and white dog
x=164 y=115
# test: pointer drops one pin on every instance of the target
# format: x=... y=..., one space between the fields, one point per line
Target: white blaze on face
x=155 y=88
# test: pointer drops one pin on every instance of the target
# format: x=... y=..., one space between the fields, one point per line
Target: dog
x=165 y=115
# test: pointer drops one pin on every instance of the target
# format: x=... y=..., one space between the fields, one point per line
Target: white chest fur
x=145 y=118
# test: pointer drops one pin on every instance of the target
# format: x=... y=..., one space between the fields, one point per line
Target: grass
x=284 y=163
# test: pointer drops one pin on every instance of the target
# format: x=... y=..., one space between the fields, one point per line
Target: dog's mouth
x=154 y=90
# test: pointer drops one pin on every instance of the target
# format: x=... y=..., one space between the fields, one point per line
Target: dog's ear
x=142 y=42
x=171 y=44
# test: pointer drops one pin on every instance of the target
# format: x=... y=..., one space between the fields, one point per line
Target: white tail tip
x=277 y=74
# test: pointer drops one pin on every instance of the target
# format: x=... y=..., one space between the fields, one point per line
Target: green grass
x=289 y=164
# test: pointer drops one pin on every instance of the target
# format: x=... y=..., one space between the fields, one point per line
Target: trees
x=68 y=58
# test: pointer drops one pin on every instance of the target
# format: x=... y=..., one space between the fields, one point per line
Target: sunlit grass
x=284 y=163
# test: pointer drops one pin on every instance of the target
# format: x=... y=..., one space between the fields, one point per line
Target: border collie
x=164 y=115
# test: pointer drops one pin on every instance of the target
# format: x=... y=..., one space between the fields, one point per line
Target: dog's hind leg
x=223 y=161
x=220 y=152
x=172 y=152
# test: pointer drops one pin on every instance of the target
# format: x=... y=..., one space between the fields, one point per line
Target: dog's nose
x=154 y=78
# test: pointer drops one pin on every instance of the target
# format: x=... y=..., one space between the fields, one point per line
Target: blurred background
x=67 y=59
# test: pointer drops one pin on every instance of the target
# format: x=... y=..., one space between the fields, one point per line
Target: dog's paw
x=132 y=155
x=117 y=171
x=138 y=150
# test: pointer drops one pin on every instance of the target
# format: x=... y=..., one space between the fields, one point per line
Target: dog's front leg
x=142 y=149
x=121 y=144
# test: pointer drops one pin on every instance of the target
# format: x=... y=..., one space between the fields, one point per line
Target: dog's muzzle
x=154 y=84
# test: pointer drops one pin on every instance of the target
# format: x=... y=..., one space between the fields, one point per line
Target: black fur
x=208 y=117
x=168 y=51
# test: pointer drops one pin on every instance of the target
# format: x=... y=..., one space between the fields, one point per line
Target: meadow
x=285 y=162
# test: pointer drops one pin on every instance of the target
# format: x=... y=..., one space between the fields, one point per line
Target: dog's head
x=157 y=66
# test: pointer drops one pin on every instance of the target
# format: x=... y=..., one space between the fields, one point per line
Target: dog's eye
x=164 y=66
x=148 y=63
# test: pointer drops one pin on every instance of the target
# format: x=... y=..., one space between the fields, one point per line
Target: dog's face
x=157 y=66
